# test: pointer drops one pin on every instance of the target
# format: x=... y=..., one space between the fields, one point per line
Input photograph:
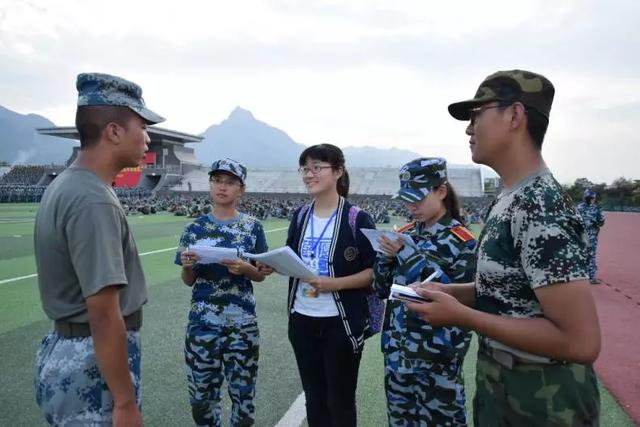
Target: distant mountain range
x=241 y=136
x=255 y=143
x=20 y=143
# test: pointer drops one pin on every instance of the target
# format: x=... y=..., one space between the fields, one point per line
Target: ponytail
x=343 y=184
x=452 y=204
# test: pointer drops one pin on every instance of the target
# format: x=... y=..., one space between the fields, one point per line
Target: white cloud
x=360 y=72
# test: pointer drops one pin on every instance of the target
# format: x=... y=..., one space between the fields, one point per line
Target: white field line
x=295 y=415
x=29 y=276
x=15 y=279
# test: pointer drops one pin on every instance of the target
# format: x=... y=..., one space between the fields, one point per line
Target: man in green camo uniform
x=222 y=340
x=423 y=364
x=593 y=219
x=530 y=253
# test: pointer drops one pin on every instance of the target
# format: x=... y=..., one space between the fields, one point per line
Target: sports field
x=165 y=403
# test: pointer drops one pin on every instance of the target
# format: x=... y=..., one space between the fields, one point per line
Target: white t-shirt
x=309 y=301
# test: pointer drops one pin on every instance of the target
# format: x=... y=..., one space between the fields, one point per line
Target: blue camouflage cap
x=229 y=165
x=105 y=89
x=419 y=176
x=589 y=193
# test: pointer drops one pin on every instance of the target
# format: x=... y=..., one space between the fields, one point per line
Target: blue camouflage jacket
x=219 y=297
x=408 y=342
x=591 y=216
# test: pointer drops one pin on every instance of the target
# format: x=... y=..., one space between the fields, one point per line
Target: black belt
x=132 y=322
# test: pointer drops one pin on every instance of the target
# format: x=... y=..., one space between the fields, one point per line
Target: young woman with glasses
x=328 y=313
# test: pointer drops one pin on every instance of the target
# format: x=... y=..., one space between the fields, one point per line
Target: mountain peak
x=240 y=113
x=21 y=143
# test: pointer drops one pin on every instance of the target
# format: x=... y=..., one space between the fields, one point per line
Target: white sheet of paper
x=285 y=261
x=213 y=254
x=404 y=293
x=373 y=236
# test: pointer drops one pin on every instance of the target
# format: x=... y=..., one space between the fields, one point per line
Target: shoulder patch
x=462 y=233
x=405 y=228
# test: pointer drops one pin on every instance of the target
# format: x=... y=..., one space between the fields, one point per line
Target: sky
x=353 y=73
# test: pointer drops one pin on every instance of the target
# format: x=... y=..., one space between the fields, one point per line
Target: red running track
x=618 y=302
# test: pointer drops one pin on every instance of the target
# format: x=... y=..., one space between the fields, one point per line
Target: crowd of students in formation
x=16 y=186
x=522 y=286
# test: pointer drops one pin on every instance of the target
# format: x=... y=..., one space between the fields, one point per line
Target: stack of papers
x=405 y=293
x=373 y=236
x=213 y=254
x=284 y=260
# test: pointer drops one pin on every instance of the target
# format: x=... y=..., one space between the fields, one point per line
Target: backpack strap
x=353 y=216
x=301 y=213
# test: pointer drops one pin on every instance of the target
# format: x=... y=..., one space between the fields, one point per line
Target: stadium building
x=164 y=165
x=170 y=165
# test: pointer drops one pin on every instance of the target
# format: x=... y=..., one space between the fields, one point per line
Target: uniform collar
x=542 y=172
x=443 y=222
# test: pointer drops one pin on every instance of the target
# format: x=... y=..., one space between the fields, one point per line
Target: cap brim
x=149 y=116
x=462 y=110
x=409 y=195
x=228 y=172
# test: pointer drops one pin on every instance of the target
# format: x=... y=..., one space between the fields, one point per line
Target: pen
x=431 y=277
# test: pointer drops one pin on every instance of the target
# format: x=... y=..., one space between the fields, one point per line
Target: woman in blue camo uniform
x=423 y=364
x=222 y=337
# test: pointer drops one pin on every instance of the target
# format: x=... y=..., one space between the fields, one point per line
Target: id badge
x=307 y=290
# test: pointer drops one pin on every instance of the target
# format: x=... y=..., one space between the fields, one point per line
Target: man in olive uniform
x=531 y=302
x=89 y=273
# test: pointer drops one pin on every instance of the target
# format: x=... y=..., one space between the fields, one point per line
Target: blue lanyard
x=314 y=245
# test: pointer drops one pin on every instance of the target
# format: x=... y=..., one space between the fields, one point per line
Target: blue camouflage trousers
x=592 y=249
x=70 y=389
x=214 y=353
x=429 y=397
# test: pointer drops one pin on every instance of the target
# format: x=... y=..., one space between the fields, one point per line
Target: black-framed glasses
x=315 y=169
x=474 y=113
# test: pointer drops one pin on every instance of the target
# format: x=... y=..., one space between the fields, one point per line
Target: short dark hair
x=92 y=119
x=333 y=155
x=537 y=125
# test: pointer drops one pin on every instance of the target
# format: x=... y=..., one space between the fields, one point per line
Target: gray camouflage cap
x=535 y=91
x=229 y=165
x=105 y=89
x=419 y=176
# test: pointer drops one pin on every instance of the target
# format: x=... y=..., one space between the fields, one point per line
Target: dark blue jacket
x=348 y=255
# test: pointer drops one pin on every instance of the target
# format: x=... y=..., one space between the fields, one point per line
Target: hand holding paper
x=213 y=254
x=188 y=258
x=265 y=269
x=374 y=238
x=323 y=283
x=285 y=262
x=236 y=266
x=405 y=293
